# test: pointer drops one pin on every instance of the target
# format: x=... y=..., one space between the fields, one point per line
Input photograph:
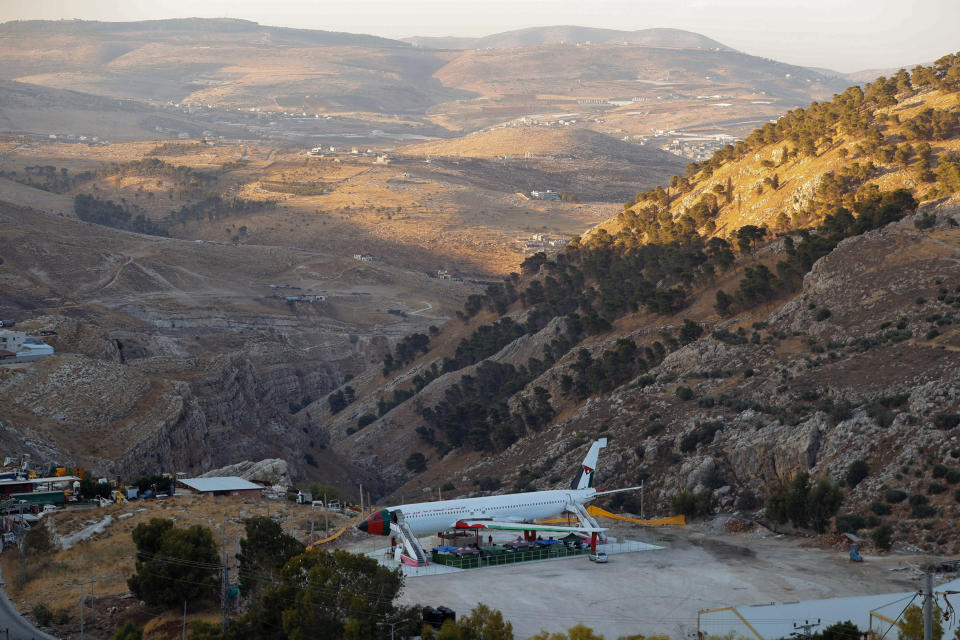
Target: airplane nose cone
x=363 y=526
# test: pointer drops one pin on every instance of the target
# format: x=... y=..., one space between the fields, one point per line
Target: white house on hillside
x=17 y=346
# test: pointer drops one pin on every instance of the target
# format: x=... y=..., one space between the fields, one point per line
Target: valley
x=649 y=239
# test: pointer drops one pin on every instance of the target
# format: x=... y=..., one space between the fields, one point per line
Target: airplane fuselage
x=425 y=518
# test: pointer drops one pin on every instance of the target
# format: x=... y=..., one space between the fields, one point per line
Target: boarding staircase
x=586 y=519
x=410 y=543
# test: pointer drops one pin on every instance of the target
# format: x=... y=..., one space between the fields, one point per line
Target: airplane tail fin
x=584 y=477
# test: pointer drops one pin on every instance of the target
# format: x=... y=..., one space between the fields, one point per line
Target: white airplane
x=512 y=512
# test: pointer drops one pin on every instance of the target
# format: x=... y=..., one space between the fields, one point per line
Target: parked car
x=599 y=557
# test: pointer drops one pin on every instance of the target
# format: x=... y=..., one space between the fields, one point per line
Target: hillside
x=586 y=165
x=570 y=142
x=187 y=355
x=228 y=63
x=567 y=34
x=581 y=70
x=723 y=361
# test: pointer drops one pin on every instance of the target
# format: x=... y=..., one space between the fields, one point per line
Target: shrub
x=856 y=472
x=365 y=419
x=42 y=615
x=956 y=495
x=416 y=462
x=850 y=523
x=952 y=476
x=939 y=470
x=946 y=421
x=62 y=616
x=882 y=537
x=684 y=393
x=39 y=539
x=802 y=505
x=747 y=501
x=920 y=506
x=823 y=314
x=655 y=429
x=714 y=479
x=880 y=508
x=703 y=433
x=131 y=631
x=688 y=443
x=894 y=496
x=839 y=631
x=487 y=483
x=690 y=331
x=693 y=505
x=936 y=488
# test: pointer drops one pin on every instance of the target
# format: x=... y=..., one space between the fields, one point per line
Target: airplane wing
x=521 y=526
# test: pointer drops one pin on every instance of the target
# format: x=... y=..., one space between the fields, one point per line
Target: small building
x=28 y=485
x=12 y=340
x=222 y=486
x=9 y=487
x=363 y=257
x=549 y=194
x=33 y=349
x=24 y=347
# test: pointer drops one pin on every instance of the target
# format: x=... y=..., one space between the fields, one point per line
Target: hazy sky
x=846 y=35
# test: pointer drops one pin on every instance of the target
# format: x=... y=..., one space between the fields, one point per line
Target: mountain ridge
x=572 y=34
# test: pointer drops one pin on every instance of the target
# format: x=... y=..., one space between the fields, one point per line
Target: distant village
x=689 y=145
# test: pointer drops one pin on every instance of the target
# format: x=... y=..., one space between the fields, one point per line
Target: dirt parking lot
x=661 y=591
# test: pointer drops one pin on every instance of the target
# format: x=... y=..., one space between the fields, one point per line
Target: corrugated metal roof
x=775 y=620
x=224 y=483
x=52 y=480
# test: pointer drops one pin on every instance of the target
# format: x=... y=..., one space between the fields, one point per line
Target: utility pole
x=184 y=620
x=223 y=582
x=641 y=501
x=82 y=585
x=392 y=625
x=928 y=604
x=361 y=499
x=326 y=516
x=807 y=627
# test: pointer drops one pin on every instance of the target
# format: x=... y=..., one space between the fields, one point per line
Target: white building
x=12 y=340
x=549 y=194
x=22 y=347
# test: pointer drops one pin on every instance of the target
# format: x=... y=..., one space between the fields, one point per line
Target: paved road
x=13 y=626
